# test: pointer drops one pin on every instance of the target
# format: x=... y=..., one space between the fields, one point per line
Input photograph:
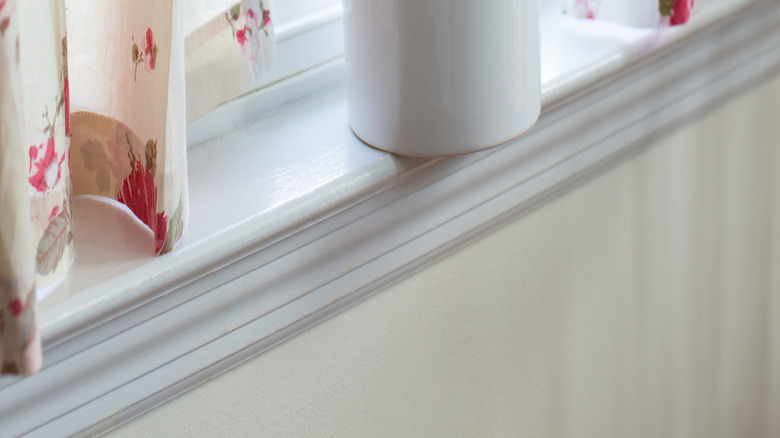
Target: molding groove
x=104 y=376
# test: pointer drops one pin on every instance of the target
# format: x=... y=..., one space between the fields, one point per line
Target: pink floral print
x=45 y=166
x=4 y=21
x=17 y=307
x=678 y=11
x=672 y=12
x=127 y=170
x=247 y=26
x=45 y=175
x=150 y=50
x=17 y=328
x=584 y=9
x=139 y=193
x=266 y=17
x=241 y=37
x=147 y=55
x=45 y=170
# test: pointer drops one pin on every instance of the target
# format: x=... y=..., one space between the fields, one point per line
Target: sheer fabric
x=636 y=13
x=99 y=106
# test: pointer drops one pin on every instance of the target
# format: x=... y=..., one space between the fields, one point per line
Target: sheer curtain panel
x=635 y=13
x=99 y=106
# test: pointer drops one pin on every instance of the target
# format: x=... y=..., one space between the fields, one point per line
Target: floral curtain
x=636 y=13
x=94 y=98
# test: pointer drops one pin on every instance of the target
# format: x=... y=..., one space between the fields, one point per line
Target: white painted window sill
x=294 y=219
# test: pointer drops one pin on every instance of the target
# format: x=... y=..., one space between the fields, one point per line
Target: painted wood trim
x=123 y=362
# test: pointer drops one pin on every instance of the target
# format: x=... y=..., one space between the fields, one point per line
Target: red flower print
x=150 y=50
x=147 y=54
x=17 y=307
x=54 y=212
x=266 y=17
x=247 y=27
x=5 y=22
x=48 y=169
x=583 y=9
x=681 y=12
x=140 y=195
x=241 y=37
x=253 y=16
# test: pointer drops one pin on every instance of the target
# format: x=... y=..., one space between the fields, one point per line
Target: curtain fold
x=226 y=53
x=127 y=91
x=99 y=106
x=19 y=348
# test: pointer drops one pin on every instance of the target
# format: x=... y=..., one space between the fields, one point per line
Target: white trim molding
x=326 y=222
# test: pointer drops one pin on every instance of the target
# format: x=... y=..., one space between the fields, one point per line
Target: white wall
x=644 y=303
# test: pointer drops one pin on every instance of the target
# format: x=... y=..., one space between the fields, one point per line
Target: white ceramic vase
x=441 y=77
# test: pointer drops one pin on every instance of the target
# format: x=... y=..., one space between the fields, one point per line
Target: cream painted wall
x=643 y=303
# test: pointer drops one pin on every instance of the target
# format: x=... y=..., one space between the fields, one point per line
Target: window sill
x=293 y=219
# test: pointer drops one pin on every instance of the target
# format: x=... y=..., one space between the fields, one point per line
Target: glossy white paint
x=295 y=219
x=291 y=14
x=441 y=77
